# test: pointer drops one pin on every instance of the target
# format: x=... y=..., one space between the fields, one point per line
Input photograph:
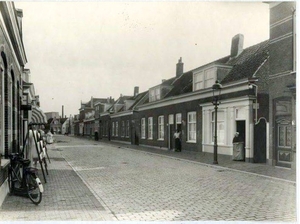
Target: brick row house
x=184 y=103
x=19 y=105
x=257 y=100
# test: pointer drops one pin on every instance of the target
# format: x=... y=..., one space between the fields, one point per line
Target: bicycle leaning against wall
x=23 y=179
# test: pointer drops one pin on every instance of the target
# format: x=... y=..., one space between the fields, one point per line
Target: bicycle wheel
x=10 y=181
x=33 y=189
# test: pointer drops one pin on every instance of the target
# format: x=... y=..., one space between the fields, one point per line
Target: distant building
x=51 y=114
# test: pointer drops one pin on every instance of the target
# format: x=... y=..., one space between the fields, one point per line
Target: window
x=210 y=77
x=161 y=127
x=157 y=94
x=143 y=128
x=284 y=136
x=178 y=121
x=220 y=127
x=191 y=120
x=123 y=129
x=113 y=129
x=204 y=79
x=151 y=95
x=154 y=94
x=117 y=128
x=150 y=127
x=198 y=81
x=127 y=129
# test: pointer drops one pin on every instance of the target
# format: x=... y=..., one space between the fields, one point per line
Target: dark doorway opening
x=171 y=134
x=260 y=142
x=241 y=129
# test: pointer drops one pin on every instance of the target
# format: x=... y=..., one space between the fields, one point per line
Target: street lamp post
x=216 y=93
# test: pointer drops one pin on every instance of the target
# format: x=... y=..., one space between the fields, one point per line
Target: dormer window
x=154 y=94
x=204 y=79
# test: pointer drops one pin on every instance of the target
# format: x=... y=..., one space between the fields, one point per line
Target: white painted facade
x=238 y=109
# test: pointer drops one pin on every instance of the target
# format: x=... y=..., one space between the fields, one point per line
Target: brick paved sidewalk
x=65 y=197
x=207 y=158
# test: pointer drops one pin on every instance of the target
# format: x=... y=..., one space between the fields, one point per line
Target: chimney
x=179 y=68
x=136 y=91
x=62 y=111
x=237 y=45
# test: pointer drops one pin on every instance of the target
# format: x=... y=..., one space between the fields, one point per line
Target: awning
x=38 y=116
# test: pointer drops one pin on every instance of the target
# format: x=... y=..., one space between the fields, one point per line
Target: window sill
x=150 y=138
x=160 y=139
x=191 y=142
x=4 y=163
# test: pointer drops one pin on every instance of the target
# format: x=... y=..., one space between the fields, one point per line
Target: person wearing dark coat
x=177 y=141
x=236 y=138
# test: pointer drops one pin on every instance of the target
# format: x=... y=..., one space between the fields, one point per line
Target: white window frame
x=151 y=95
x=155 y=94
x=198 y=81
x=178 y=119
x=143 y=128
x=209 y=77
x=219 y=132
x=189 y=125
x=160 y=127
x=150 y=128
x=117 y=129
x=204 y=79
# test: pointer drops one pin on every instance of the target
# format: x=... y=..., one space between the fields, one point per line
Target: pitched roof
x=243 y=66
x=184 y=84
x=122 y=99
x=138 y=99
x=247 y=63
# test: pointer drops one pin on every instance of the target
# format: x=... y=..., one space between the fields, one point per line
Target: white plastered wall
x=234 y=110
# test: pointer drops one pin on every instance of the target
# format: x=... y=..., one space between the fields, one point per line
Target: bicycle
x=23 y=179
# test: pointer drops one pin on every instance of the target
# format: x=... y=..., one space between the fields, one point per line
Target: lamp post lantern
x=216 y=93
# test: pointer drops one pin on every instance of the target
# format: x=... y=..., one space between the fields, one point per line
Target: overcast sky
x=76 y=50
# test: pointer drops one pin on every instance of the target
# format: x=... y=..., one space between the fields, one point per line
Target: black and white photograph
x=142 y=111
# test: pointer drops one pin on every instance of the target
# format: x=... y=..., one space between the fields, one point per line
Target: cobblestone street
x=123 y=184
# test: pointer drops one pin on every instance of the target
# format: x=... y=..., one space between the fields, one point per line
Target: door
x=240 y=128
x=171 y=132
x=260 y=142
x=283 y=142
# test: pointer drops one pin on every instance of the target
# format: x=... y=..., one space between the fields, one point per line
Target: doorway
x=171 y=132
x=260 y=142
x=241 y=129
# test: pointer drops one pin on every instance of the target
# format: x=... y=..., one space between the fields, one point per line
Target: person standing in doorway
x=236 y=137
x=177 y=136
